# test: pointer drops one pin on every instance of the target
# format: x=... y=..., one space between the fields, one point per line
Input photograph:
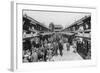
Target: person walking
x=55 y=48
x=34 y=56
x=60 y=48
x=68 y=46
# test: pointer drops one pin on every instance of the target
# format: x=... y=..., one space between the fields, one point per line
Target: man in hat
x=60 y=47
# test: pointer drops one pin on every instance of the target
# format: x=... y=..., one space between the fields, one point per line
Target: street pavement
x=67 y=55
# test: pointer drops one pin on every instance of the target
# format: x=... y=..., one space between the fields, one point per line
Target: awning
x=30 y=35
x=47 y=33
x=88 y=30
x=84 y=35
x=67 y=33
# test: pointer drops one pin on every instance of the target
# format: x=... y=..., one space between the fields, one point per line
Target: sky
x=58 y=18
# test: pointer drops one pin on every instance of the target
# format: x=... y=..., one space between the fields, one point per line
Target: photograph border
x=15 y=65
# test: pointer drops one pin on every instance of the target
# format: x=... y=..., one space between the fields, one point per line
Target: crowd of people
x=84 y=48
x=38 y=49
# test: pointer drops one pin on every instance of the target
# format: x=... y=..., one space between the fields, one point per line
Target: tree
x=51 y=26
